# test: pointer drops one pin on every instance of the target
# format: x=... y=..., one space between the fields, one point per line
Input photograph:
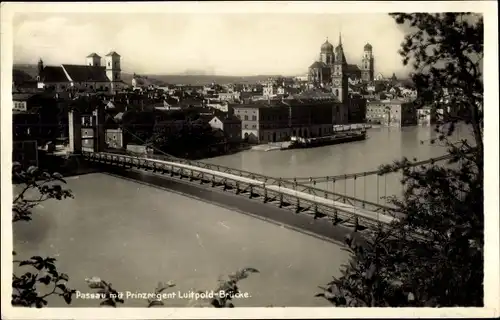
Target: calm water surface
x=134 y=236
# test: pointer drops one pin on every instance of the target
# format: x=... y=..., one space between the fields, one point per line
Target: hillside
x=29 y=71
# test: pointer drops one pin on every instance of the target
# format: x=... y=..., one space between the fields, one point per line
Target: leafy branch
x=42 y=271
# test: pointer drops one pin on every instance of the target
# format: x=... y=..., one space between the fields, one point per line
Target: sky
x=215 y=43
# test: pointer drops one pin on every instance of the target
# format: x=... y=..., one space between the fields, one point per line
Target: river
x=134 y=235
x=383 y=146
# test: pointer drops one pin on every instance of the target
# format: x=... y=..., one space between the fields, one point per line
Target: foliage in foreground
x=432 y=257
x=41 y=274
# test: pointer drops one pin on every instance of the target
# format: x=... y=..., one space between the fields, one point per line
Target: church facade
x=332 y=69
x=90 y=76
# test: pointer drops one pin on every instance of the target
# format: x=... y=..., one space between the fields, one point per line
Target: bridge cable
x=355 y=207
x=364 y=188
x=378 y=185
x=385 y=189
x=345 y=188
x=373 y=172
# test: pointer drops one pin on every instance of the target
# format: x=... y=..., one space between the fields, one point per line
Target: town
x=220 y=160
x=199 y=121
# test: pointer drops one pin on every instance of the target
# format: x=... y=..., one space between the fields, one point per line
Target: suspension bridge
x=302 y=195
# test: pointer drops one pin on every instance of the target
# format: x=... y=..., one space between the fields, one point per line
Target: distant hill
x=202 y=79
x=25 y=71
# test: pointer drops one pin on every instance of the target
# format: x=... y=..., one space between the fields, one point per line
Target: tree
x=433 y=256
x=42 y=271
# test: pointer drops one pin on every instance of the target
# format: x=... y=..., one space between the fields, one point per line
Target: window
x=246 y=117
x=109 y=64
x=254 y=118
x=254 y=126
x=246 y=126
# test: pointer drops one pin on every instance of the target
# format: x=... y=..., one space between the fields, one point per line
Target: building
x=332 y=67
x=263 y=122
x=230 y=96
x=35 y=116
x=87 y=131
x=25 y=101
x=114 y=138
x=379 y=77
x=217 y=104
x=397 y=113
x=229 y=124
x=91 y=76
x=356 y=108
x=165 y=106
x=311 y=117
x=309 y=114
x=26 y=125
x=272 y=89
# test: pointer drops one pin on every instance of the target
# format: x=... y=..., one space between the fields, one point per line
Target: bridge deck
x=345 y=207
x=306 y=196
x=314 y=200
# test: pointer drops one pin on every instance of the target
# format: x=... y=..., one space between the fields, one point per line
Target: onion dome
x=326 y=47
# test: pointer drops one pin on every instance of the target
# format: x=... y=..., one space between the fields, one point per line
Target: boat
x=338 y=138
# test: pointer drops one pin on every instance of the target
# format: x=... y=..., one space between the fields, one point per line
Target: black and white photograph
x=272 y=156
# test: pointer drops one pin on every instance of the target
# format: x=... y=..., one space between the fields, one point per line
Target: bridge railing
x=368 y=205
x=300 y=199
x=301 y=187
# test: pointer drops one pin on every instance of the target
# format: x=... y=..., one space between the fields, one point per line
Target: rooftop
x=392 y=101
x=112 y=54
x=22 y=96
x=82 y=73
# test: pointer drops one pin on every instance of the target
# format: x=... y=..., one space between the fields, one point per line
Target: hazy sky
x=224 y=44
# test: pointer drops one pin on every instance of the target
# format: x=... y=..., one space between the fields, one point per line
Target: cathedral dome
x=326 y=47
x=368 y=47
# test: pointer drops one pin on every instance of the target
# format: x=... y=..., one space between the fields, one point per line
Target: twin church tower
x=332 y=69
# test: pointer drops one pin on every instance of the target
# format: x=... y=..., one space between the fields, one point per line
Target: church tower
x=113 y=68
x=40 y=68
x=93 y=60
x=367 y=68
x=339 y=76
x=326 y=54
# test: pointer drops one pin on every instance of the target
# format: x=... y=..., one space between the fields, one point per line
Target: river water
x=134 y=235
x=383 y=146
